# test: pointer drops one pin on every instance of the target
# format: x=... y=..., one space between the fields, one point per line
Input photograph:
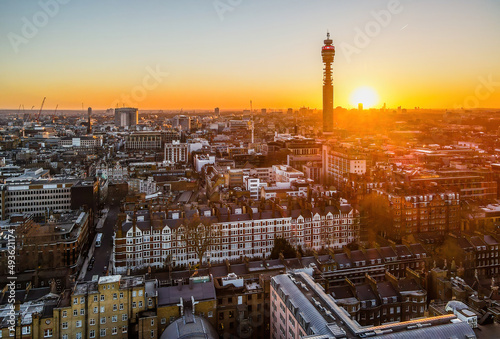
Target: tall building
x=328 y=54
x=89 y=116
x=126 y=117
x=182 y=122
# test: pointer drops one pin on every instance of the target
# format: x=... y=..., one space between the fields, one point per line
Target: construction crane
x=54 y=116
x=40 y=111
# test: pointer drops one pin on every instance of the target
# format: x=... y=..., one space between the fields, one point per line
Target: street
x=102 y=254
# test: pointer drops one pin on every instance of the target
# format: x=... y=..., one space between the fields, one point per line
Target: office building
x=126 y=117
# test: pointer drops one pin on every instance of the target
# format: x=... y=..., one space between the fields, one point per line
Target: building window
x=65 y=314
x=82 y=311
x=95 y=298
x=121 y=306
x=121 y=295
x=92 y=322
x=103 y=332
x=114 y=330
x=103 y=320
x=163 y=321
x=26 y=329
x=78 y=323
x=79 y=335
x=102 y=309
x=115 y=307
x=47 y=333
x=124 y=329
x=102 y=297
x=114 y=318
x=134 y=304
x=75 y=312
x=92 y=334
x=124 y=316
x=64 y=325
x=96 y=310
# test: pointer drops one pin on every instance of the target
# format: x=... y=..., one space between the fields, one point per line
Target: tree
x=199 y=235
x=376 y=217
x=281 y=245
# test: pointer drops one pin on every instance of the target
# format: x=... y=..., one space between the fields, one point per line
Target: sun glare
x=366 y=96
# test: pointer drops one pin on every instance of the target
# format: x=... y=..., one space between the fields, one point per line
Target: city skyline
x=202 y=55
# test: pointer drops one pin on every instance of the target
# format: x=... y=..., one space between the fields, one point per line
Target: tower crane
x=40 y=111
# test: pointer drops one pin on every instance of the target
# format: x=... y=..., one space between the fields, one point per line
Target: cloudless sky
x=433 y=54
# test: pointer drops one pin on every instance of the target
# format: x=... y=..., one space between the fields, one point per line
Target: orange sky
x=423 y=55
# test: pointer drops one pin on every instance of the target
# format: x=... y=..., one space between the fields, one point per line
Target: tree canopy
x=281 y=245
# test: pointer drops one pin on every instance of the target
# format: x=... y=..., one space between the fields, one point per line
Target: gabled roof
x=417 y=249
x=387 y=252
x=357 y=256
x=490 y=240
x=365 y=292
x=477 y=241
x=402 y=251
x=373 y=254
x=342 y=259
x=386 y=290
x=464 y=243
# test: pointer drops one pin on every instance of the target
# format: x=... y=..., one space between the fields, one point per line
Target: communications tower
x=328 y=54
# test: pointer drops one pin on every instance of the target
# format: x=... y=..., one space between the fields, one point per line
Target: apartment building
x=108 y=307
x=339 y=163
x=415 y=212
x=113 y=171
x=52 y=249
x=253 y=185
x=147 y=238
x=300 y=308
x=176 y=152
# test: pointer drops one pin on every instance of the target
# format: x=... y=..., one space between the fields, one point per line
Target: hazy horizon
x=172 y=55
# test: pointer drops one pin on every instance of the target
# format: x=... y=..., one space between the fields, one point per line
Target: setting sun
x=364 y=95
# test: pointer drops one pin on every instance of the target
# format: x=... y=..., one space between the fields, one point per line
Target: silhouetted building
x=126 y=117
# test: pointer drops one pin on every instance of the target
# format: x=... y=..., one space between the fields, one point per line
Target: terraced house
x=156 y=237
